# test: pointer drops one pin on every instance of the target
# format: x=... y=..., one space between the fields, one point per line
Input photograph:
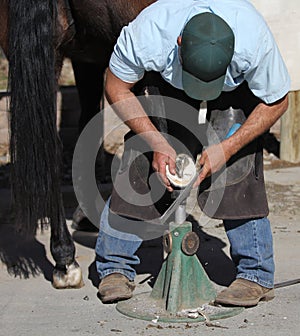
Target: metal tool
x=287 y=283
x=184 y=194
x=181 y=163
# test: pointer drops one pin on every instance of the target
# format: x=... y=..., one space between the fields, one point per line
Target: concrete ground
x=29 y=305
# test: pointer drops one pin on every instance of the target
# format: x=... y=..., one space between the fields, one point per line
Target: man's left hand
x=212 y=160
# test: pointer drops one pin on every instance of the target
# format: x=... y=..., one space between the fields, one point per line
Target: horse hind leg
x=67 y=273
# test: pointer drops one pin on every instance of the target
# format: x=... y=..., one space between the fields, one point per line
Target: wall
x=283 y=18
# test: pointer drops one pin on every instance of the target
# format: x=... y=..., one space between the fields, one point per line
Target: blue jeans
x=251 y=249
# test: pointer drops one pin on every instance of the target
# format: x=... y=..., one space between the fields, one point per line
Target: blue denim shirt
x=150 y=43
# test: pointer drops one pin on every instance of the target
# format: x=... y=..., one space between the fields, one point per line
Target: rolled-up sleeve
x=124 y=62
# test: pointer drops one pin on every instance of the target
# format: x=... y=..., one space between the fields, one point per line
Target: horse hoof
x=70 y=277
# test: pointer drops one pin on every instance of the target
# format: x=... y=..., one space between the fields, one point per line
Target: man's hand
x=212 y=159
x=164 y=155
x=129 y=109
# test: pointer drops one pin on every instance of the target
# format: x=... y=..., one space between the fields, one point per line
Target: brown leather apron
x=243 y=195
x=236 y=192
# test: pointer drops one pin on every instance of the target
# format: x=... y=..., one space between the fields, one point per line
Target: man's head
x=207 y=46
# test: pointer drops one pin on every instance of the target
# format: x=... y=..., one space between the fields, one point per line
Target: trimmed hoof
x=70 y=277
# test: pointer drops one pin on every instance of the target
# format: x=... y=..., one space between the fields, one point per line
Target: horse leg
x=89 y=79
x=89 y=82
x=67 y=273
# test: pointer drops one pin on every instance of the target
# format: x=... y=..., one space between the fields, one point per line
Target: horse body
x=98 y=24
x=97 y=27
x=36 y=35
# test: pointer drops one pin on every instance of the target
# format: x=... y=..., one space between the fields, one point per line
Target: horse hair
x=34 y=139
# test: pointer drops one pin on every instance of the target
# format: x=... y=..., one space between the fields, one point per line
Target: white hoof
x=69 y=278
x=185 y=164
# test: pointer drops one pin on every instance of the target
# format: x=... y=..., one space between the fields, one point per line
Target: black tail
x=34 y=143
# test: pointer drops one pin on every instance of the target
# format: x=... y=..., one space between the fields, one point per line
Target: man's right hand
x=129 y=109
x=164 y=155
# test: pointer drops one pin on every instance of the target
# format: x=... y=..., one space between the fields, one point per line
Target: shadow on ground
x=23 y=258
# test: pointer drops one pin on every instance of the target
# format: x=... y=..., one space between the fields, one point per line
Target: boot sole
x=114 y=298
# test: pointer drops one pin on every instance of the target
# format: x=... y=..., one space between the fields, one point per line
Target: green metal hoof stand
x=182 y=291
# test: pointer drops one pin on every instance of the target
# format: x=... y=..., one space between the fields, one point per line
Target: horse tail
x=34 y=144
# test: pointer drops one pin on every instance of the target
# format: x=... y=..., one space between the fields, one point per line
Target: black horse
x=36 y=35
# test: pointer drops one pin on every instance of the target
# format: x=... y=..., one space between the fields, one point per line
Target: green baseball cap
x=207 y=48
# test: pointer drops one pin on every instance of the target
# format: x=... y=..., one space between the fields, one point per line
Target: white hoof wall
x=70 y=278
x=188 y=171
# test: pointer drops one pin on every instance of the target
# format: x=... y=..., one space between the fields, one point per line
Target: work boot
x=244 y=293
x=115 y=287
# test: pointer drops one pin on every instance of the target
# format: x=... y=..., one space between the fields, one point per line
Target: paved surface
x=30 y=306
